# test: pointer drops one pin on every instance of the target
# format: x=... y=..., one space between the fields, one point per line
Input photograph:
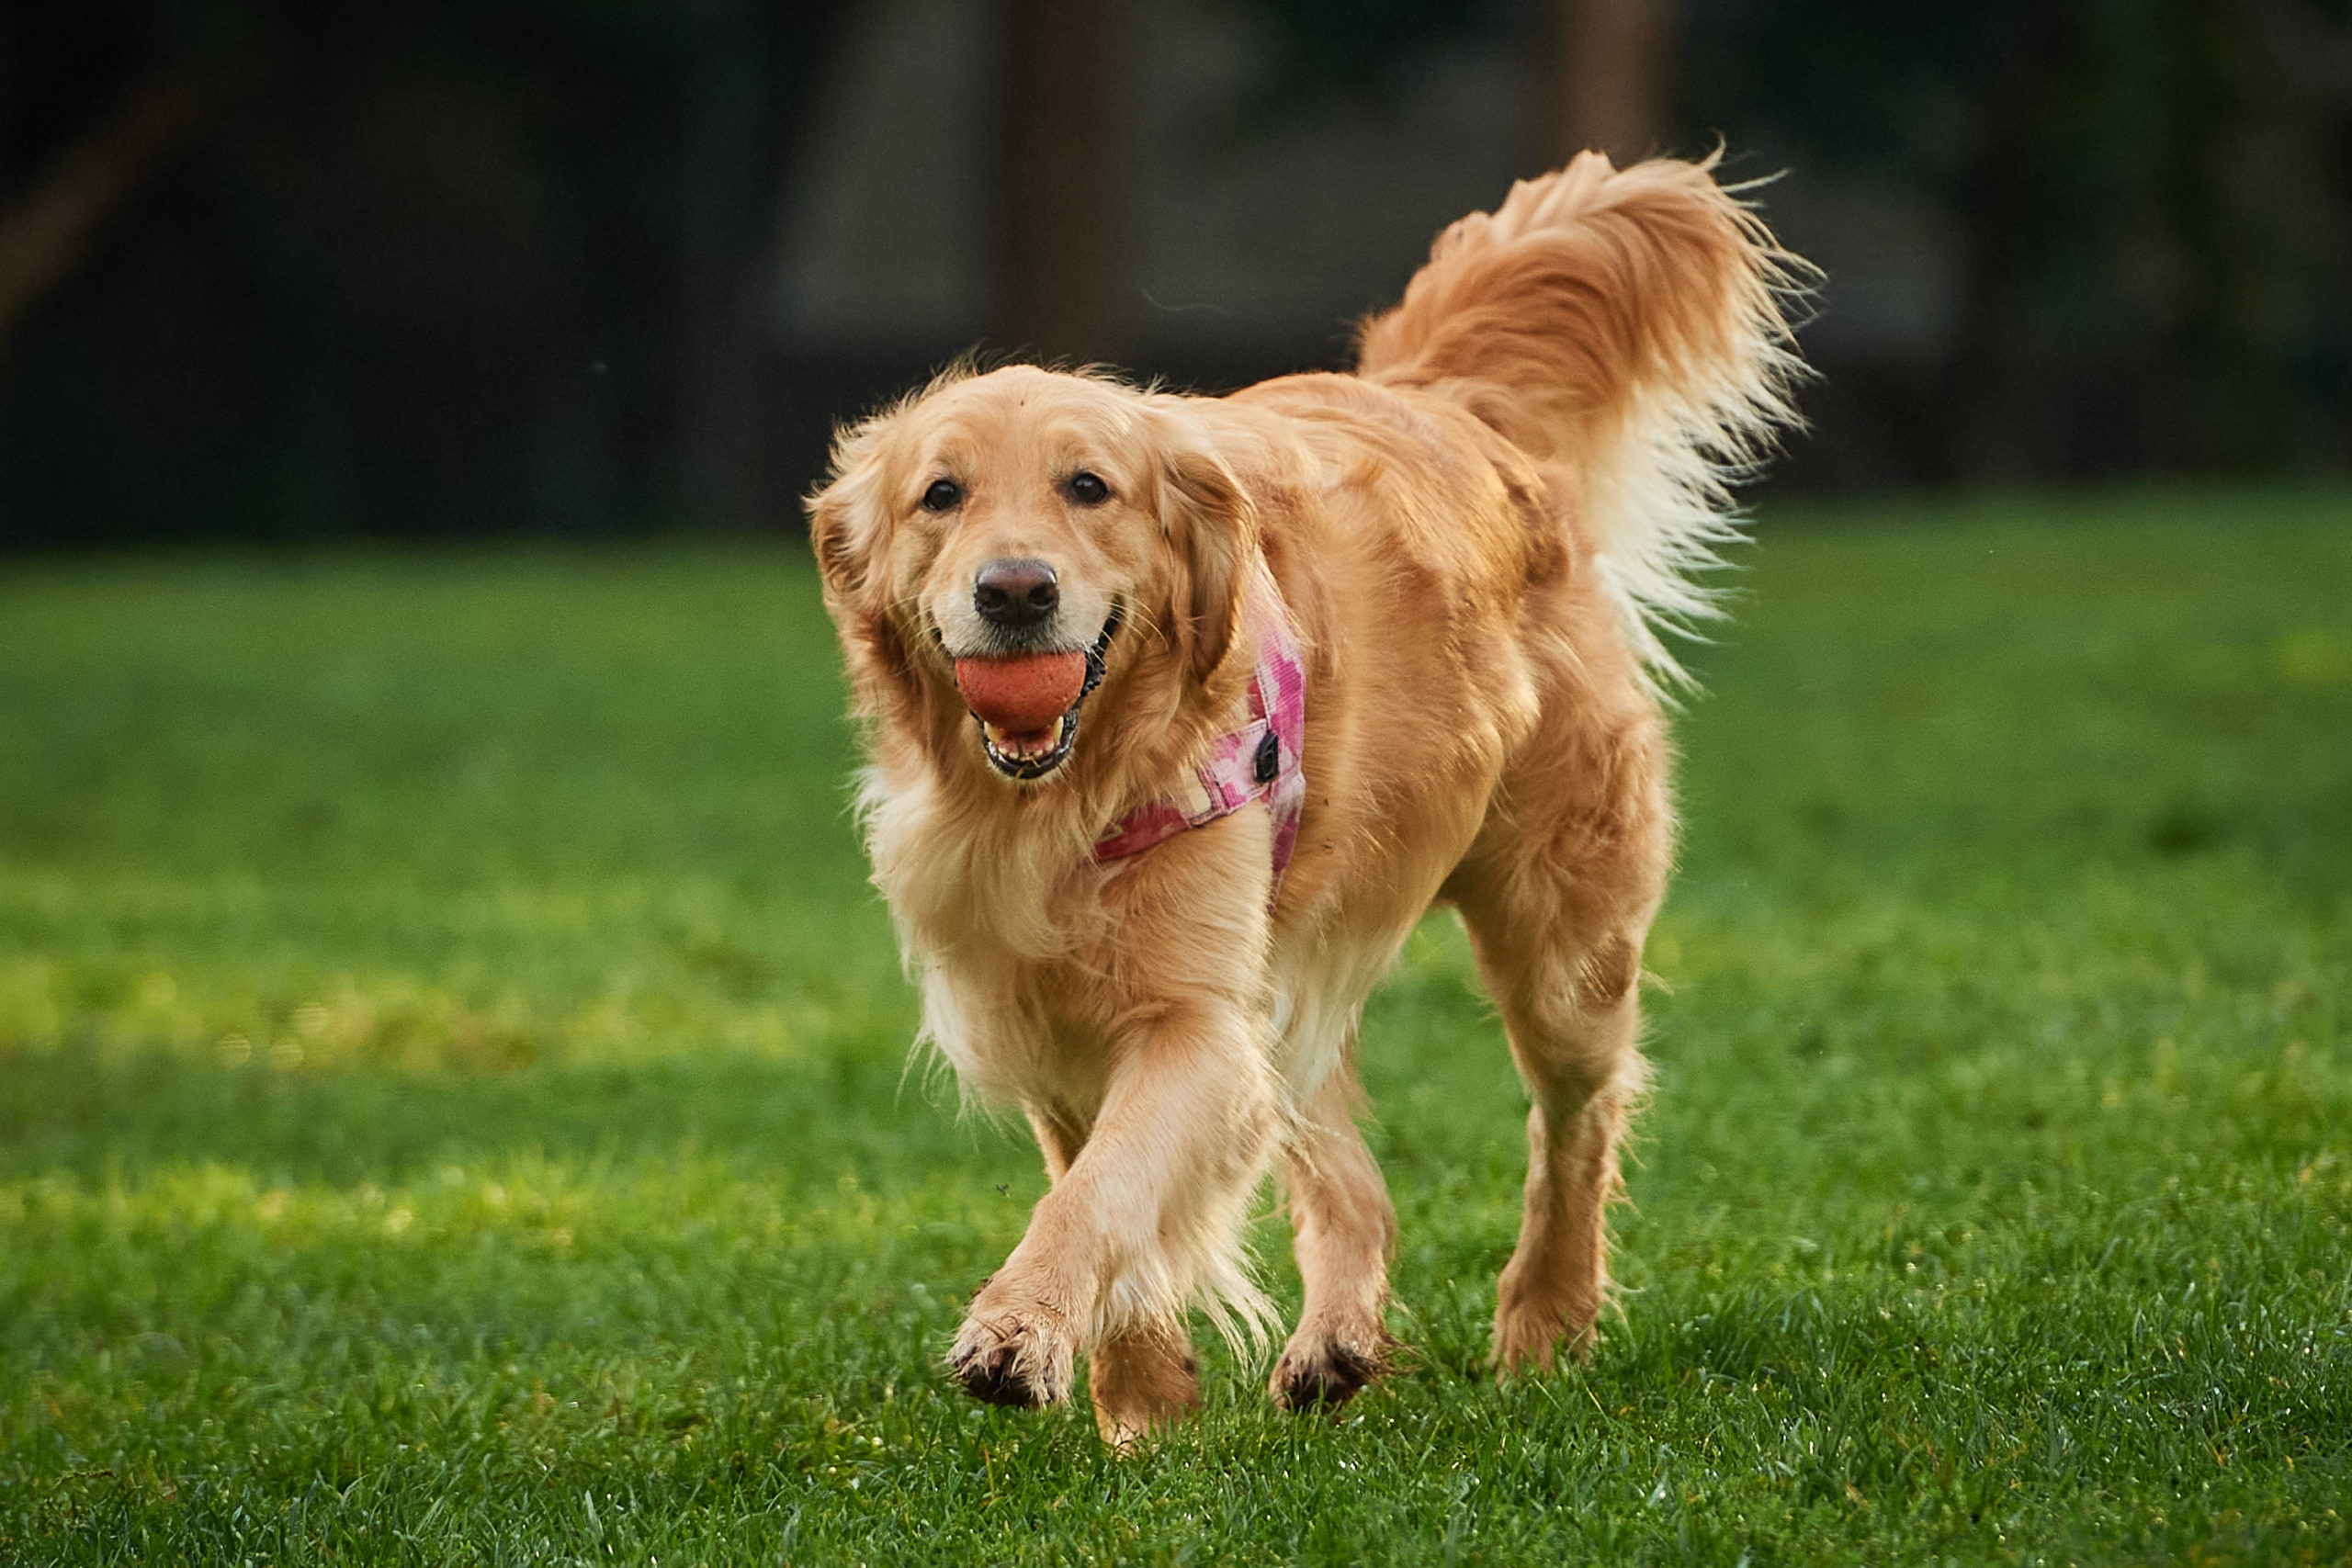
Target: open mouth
x=1027 y=705
x=1034 y=754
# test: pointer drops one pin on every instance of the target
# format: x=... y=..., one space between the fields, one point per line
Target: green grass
x=453 y=1105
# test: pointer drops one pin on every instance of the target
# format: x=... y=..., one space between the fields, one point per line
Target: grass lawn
x=453 y=1101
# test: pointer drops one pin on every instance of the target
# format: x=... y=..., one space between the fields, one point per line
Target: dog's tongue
x=1021 y=696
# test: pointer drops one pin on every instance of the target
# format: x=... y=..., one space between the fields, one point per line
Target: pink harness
x=1258 y=762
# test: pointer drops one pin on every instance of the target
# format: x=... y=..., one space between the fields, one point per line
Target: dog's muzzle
x=1034 y=752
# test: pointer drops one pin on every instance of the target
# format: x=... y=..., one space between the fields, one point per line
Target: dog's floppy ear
x=1211 y=527
x=850 y=529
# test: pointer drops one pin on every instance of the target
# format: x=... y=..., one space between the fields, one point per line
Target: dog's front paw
x=1015 y=1356
x=1143 y=1380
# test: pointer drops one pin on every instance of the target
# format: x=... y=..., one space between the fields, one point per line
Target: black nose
x=1015 y=593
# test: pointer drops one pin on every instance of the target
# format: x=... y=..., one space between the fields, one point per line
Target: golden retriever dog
x=1182 y=711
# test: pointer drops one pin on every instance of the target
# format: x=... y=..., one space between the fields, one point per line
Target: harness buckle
x=1268 y=764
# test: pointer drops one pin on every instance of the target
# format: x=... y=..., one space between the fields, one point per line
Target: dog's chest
x=1020 y=1029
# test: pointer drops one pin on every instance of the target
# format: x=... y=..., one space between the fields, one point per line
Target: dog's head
x=997 y=545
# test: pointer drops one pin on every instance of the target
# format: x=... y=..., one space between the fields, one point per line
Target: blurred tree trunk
x=2309 y=57
x=2009 y=203
x=1060 y=244
x=1604 y=81
x=755 y=70
x=721 y=236
x=47 y=231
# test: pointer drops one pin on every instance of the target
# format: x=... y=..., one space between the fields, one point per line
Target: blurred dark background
x=284 y=269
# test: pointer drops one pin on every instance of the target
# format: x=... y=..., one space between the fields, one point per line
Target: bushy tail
x=1630 y=322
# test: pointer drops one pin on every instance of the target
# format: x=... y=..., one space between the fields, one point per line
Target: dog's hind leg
x=1558 y=895
x=1572 y=1022
x=1343 y=1227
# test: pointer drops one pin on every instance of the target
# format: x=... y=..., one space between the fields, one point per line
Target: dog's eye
x=945 y=495
x=1088 y=489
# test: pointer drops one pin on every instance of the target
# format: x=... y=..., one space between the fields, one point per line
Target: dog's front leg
x=1140 y=1379
x=1145 y=1216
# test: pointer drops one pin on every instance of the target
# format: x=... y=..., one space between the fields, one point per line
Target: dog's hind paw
x=1323 y=1375
x=1530 y=1335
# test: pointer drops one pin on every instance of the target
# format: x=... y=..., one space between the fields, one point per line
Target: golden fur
x=1477 y=534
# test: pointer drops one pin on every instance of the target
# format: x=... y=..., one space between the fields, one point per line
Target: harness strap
x=1261 y=761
